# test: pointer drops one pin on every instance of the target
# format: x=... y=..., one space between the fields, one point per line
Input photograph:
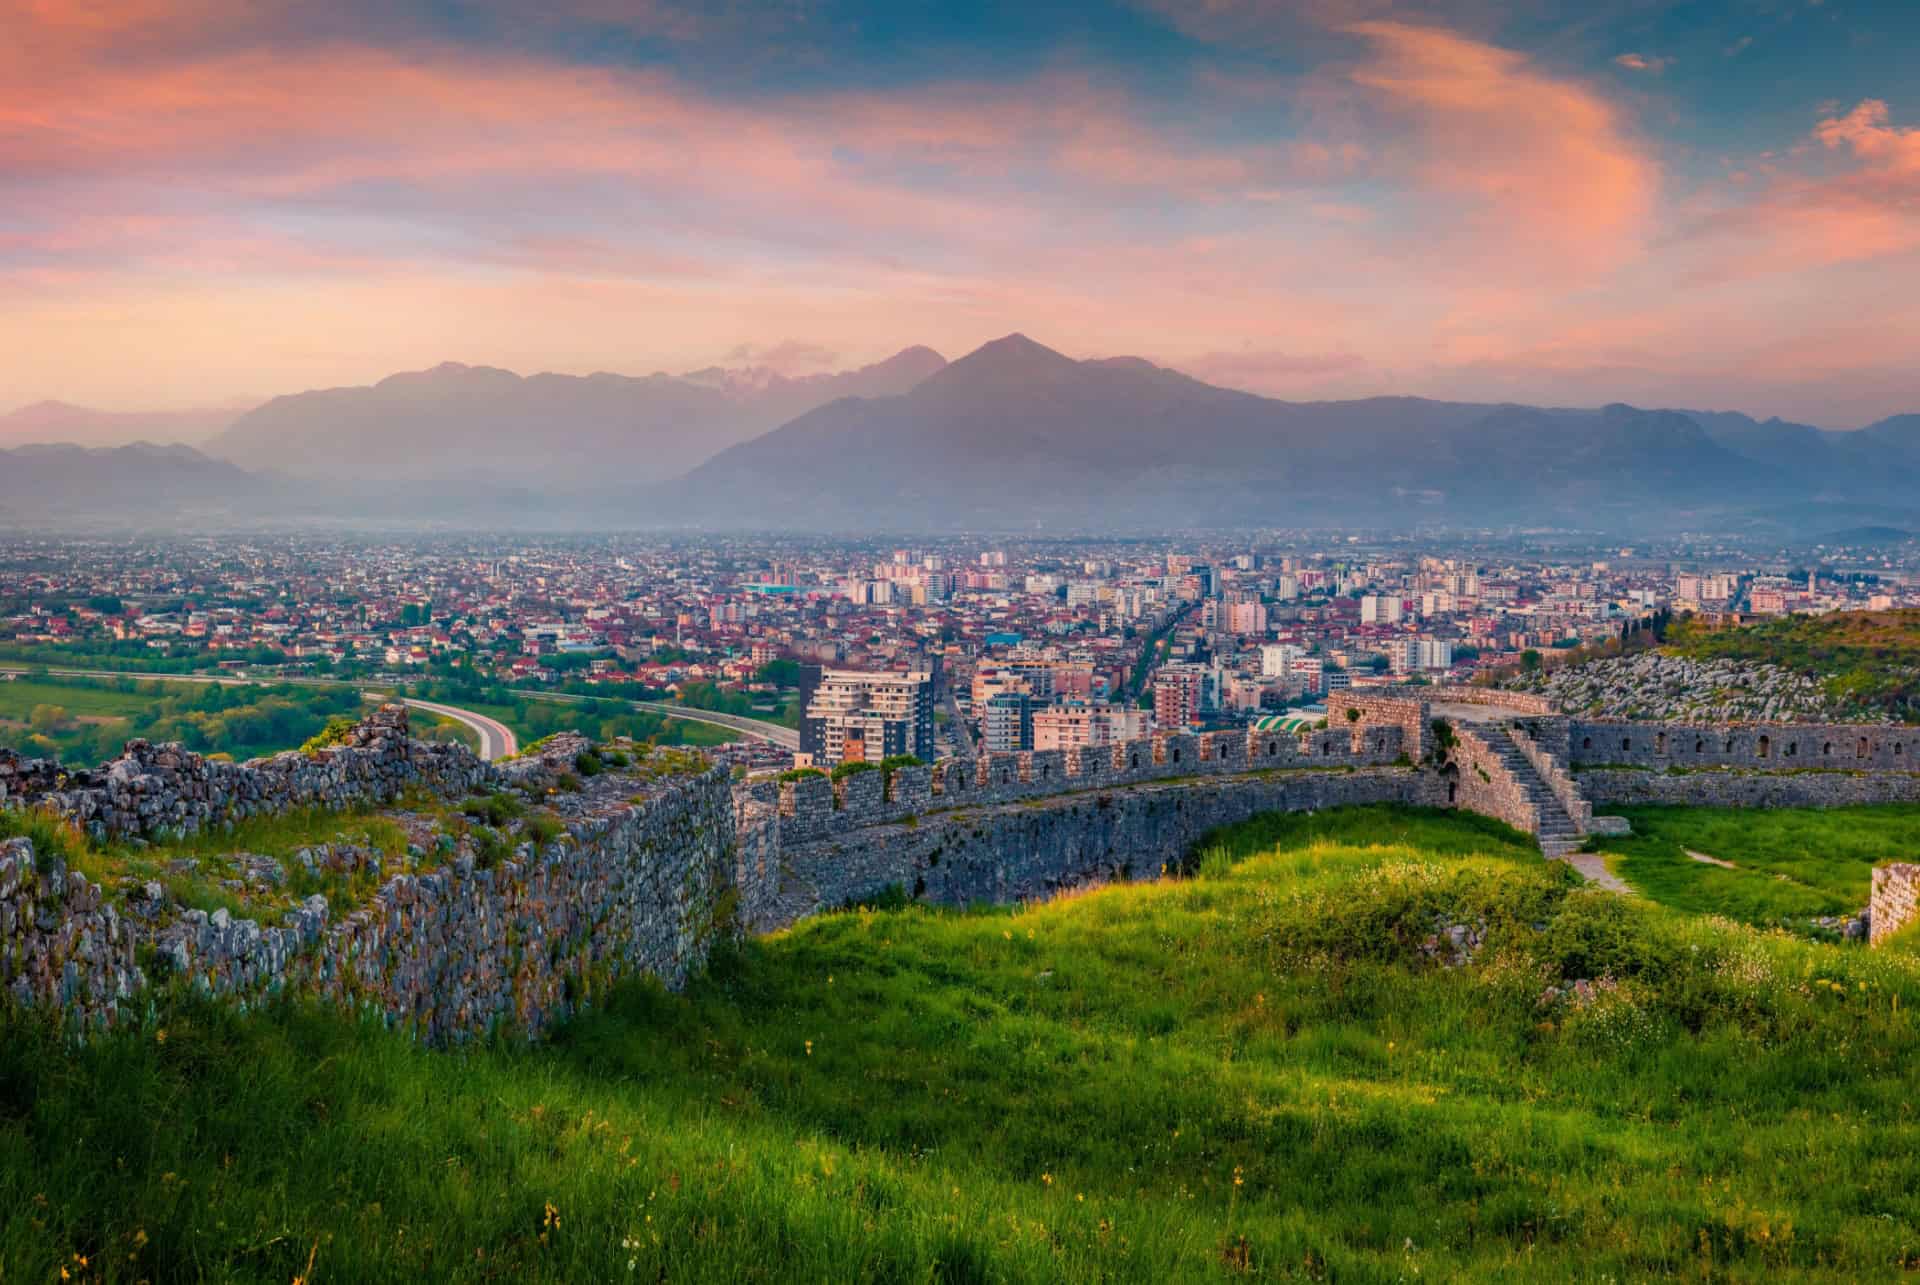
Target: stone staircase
x=1558 y=833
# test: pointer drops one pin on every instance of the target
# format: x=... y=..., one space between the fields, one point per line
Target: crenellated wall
x=1773 y=747
x=1000 y=853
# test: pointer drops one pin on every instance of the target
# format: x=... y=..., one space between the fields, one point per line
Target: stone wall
x=813 y=808
x=1409 y=711
x=1482 y=782
x=152 y=790
x=1896 y=899
x=1777 y=747
x=629 y=888
x=1001 y=854
x=1736 y=788
x=1494 y=697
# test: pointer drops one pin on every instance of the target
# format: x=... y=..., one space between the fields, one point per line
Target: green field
x=1257 y=1072
x=602 y=720
x=85 y=721
x=1790 y=864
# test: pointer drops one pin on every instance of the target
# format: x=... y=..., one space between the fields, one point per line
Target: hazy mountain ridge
x=1011 y=436
x=1015 y=434
x=482 y=424
x=55 y=422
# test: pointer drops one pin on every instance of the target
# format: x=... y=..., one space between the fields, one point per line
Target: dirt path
x=1704 y=859
x=1593 y=868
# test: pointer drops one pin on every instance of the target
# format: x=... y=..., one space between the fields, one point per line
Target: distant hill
x=67 y=485
x=478 y=424
x=1016 y=434
x=61 y=422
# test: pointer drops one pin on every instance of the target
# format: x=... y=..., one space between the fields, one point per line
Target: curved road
x=496 y=738
x=758 y=728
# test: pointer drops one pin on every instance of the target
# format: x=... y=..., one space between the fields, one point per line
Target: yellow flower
x=809 y=1048
x=1047 y=1178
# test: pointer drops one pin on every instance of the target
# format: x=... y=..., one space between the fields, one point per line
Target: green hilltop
x=1370 y=1044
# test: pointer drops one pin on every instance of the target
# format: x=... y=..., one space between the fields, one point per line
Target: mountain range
x=1012 y=436
x=48 y=423
x=479 y=424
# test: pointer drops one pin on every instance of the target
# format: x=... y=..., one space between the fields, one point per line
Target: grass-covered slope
x=1785 y=866
x=1267 y=1070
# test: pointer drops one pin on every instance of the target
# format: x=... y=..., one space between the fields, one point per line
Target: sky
x=1712 y=204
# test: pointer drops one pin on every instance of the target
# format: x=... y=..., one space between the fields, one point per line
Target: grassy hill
x=1868 y=659
x=1281 y=1067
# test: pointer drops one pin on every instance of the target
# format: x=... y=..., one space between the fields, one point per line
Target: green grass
x=1793 y=864
x=1254 y=1072
x=1869 y=660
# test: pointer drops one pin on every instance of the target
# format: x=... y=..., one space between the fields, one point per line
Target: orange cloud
x=1543 y=168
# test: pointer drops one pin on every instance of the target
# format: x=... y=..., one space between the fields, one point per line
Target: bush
x=800 y=773
x=844 y=770
x=587 y=763
x=338 y=731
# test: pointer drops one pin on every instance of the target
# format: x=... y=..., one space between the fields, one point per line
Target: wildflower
x=1047 y=1178
x=1238 y=1179
x=1007 y=933
x=1080 y=1196
x=160 y=1036
x=809 y=1048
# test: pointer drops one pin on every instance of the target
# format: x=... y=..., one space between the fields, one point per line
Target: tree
x=48 y=718
x=1530 y=660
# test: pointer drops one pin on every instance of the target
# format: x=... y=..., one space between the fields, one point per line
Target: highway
x=496 y=738
x=759 y=729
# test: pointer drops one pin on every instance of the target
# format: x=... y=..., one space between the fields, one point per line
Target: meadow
x=1266 y=1070
x=1788 y=865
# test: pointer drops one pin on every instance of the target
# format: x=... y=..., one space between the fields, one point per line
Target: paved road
x=758 y=728
x=497 y=740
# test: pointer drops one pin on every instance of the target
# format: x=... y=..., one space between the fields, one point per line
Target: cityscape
x=827 y=641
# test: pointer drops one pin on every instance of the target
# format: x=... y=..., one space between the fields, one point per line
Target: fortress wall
x=1747 y=789
x=640 y=888
x=1483 y=784
x=971 y=855
x=1777 y=747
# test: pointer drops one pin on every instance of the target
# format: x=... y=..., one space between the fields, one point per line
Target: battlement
x=1773 y=747
x=812 y=808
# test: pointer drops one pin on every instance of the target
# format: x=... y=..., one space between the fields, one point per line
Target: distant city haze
x=1568 y=203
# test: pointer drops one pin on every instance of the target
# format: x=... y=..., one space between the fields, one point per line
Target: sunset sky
x=1714 y=204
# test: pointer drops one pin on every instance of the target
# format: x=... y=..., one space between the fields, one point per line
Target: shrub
x=338 y=731
x=844 y=770
x=587 y=763
x=800 y=773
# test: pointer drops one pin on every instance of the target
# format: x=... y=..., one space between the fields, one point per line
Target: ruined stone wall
x=1001 y=854
x=1896 y=899
x=153 y=790
x=1777 y=747
x=634 y=888
x=1738 y=788
x=1482 y=783
x=1410 y=712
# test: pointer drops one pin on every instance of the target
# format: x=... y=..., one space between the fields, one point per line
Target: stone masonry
x=1896 y=899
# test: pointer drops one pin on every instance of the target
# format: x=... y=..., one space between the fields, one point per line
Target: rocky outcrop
x=1651 y=685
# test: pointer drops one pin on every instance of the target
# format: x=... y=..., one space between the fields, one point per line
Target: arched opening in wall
x=1729 y=745
x=1826 y=750
x=1626 y=742
x=1453 y=790
x=1006 y=777
x=1133 y=760
x=1586 y=742
x=1898 y=749
x=1046 y=770
x=1176 y=753
x=1700 y=745
x=1764 y=747
x=1660 y=743
x=1272 y=748
x=1793 y=749
x=1860 y=748
x=1325 y=749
